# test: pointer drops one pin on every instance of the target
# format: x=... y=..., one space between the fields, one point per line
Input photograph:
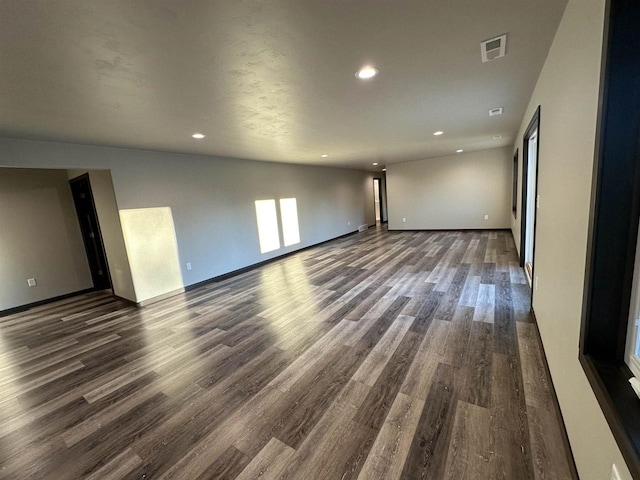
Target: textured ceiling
x=271 y=80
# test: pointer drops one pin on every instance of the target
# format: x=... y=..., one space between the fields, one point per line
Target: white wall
x=107 y=209
x=212 y=199
x=567 y=92
x=453 y=192
x=39 y=238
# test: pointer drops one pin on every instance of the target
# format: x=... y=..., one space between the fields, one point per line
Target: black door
x=83 y=199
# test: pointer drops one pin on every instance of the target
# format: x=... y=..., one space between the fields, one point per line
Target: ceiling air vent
x=495 y=111
x=494 y=48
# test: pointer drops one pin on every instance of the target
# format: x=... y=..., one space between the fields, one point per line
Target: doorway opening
x=377 y=200
x=531 y=204
x=91 y=234
x=530 y=197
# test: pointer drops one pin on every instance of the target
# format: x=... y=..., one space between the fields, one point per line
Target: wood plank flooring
x=382 y=355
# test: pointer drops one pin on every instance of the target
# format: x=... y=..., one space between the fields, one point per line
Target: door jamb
x=534 y=125
x=379 y=199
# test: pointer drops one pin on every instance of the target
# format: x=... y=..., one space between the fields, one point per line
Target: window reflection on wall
x=152 y=251
x=267 y=225
x=267 y=220
x=289 y=215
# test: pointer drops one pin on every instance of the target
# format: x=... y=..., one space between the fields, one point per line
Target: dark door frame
x=613 y=229
x=534 y=125
x=514 y=193
x=93 y=243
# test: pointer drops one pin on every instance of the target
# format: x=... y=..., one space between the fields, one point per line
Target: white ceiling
x=271 y=80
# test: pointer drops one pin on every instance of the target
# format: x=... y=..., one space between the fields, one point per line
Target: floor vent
x=493 y=48
x=362 y=228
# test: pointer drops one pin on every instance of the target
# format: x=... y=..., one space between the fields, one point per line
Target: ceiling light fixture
x=459 y=151
x=367 y=72
x=324 y=156
x=375 y=164
x=198 y=135
x=438 y=133
x=384 y=169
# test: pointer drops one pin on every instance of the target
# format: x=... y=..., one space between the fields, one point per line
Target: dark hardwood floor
x=383 y=355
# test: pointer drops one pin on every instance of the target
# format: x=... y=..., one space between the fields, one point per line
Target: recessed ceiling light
x=459 y=151
x=384 y=169
x=497 y=137
x=438 y=133
x=375 y=164
x=198 y=135
x=324 y=156
x=367 y=72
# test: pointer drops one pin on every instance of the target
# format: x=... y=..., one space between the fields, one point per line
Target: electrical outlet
x=536 y=284
x=615 y=475
x=404 y=219
x=188 y=266
x=348 y=223
x=537 y=201
x=31 y=282
x=486 y=217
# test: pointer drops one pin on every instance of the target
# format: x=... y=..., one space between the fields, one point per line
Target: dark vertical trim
x=615 y=191
x=596 y=174
x=385 y=207
x=613 y=229
x=514 y=191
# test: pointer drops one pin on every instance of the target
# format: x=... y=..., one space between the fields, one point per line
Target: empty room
x=319 y=239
